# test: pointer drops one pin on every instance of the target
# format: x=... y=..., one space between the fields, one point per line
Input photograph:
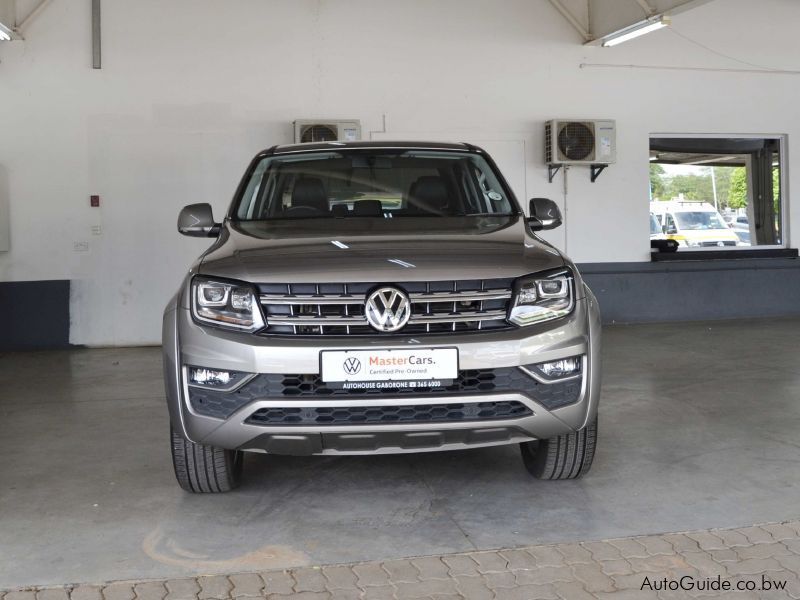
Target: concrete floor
x=699 y=429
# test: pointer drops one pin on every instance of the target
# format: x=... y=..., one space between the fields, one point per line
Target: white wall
x=191 y=89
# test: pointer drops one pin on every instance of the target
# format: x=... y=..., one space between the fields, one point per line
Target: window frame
x=767 y=249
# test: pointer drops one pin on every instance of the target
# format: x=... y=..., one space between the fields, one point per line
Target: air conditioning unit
x=580 y=142
x=326 y=130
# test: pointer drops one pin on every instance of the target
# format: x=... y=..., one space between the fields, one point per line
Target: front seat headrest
x=310 y=192
x=368 y=208
x=429 y=194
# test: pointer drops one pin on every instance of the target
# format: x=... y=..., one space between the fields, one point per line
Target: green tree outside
x=739 y=188
x=693 y=186
x=657 y=187
x=737 y=197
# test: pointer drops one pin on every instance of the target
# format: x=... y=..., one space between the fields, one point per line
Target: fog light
x=556 y=370
x=199 y=376
x=561 y=368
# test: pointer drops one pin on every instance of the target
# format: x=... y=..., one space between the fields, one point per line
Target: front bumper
x=186 y=343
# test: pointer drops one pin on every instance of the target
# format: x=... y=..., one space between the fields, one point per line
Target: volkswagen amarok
x=378 y=297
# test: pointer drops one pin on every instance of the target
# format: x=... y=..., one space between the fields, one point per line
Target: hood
x=708 y=234
x=377 y=250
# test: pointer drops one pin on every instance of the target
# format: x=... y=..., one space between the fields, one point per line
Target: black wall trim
x=34 y=315
x=723 y=254
x=695 y=290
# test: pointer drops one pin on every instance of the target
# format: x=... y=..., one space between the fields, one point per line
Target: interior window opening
x=710 y=193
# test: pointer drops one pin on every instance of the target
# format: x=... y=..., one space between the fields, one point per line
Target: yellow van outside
x=693 y=224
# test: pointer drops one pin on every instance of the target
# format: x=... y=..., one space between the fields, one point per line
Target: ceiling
x=596 y=19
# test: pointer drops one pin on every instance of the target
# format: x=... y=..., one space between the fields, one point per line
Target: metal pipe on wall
x=96 y=57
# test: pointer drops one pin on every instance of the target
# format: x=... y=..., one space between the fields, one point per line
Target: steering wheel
x=298 y=211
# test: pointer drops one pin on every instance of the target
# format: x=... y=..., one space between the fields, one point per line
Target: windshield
x=373 y=183
x=699 y=220
x=655 y=226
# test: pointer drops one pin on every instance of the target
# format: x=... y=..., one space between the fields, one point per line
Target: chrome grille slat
x=322 y=300
x=346 y=311
x=427 y=305
x=437 y=307
x=317 y=320
x=455 y=308
x=426 y=298
x=461 y=296
x=291 y=308
x=480 y=303
x=461 y=317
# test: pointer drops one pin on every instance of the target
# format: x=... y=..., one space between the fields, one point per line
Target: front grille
x=338 y=308
x=221 y=405
x=715 y=244
x=384 y=415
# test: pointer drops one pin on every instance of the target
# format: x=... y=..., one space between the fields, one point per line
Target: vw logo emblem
x=352 y=365
x=387 y=309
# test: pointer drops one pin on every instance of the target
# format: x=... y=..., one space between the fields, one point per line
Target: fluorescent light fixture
x=5 y=33
x=623 y=35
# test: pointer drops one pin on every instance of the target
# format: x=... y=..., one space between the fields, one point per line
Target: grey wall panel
x=34 y=315
x=695 y=290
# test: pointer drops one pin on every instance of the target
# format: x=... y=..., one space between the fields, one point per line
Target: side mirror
x=544 y=214
x=197 y=220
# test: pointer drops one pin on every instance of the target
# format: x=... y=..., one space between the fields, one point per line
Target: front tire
x=204 y=469
x=567 y=456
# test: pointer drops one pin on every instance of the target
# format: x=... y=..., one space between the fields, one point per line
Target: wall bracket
x=551 y=172
x=596 y=170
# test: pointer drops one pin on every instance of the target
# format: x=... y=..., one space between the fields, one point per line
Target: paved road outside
x=751 y=561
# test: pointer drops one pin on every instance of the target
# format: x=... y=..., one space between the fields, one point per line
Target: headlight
x=693 y=244
x=542 y=297
x=226 y=304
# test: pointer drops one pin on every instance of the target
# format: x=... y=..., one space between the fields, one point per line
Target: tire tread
x=204 y=469
x=566 y=456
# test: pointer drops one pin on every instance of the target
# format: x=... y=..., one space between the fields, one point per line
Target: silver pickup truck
x=371 y=297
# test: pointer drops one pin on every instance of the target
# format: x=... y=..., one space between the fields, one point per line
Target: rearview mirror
x=197 y=220
x=544 y=214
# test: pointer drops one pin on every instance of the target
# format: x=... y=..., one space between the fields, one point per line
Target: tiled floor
x=698 y=429
x=745 y=563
